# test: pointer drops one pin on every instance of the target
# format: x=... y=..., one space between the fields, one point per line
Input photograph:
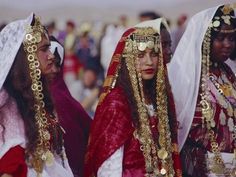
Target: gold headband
x=142 y=39
x=158 y=158
x=226 y=17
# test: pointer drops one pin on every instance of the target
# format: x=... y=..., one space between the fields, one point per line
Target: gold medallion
x=150 y=44
x=46 y=135
x=162 y=154
x=230 y=110
x=217 y=169
x=142 y=46
x=213 y=123
x=49 y=158
x=216 y=23
x=163 y=171
x=149 y=169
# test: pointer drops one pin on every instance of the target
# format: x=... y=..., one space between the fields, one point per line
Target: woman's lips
x=149 y=71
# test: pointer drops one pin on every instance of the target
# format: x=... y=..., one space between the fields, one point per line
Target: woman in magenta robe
x=73 y=118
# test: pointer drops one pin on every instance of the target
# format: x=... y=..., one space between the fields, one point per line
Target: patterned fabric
x=113 y=125
x=197 y=145
x=14 y=132
x=11 y=38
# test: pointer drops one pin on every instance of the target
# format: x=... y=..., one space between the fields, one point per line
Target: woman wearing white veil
x=204 y=88
x=31 y=142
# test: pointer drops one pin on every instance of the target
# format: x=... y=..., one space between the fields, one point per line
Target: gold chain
x=42 y=154
x=152 y=153
x=207 y=111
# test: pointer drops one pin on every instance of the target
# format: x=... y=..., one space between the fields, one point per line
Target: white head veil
x=11 y=38
x=57 y=46
x=184 y=70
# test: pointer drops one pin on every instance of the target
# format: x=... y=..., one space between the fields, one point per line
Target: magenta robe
x=76 y=123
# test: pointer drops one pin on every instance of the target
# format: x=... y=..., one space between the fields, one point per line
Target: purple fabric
x=75 y=122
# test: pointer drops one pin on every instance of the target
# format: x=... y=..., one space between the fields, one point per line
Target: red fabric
x=111 y=131
x=108 y=131
x=133 y=160
x=112 y=126
x=13 y=162
x=197 y=144
x=119 y=49
x=71 y=64
x=76 y=123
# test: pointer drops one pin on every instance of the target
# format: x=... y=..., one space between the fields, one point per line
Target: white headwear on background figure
x=184 y=70
x=11 y=38
x=56 y=45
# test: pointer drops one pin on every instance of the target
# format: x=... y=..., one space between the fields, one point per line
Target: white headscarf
x=184 y=70
x=11 y=38
x=57 y=46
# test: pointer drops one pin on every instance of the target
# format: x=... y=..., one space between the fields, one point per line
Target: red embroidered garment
x=13 y=162
x=113 y=127
x=197 y=144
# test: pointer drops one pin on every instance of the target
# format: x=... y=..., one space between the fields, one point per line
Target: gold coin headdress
x=132 y=42
x=207 y=110
x=42 y=154
x=227 y=17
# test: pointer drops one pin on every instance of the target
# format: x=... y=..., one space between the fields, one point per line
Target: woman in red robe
x=134 y=132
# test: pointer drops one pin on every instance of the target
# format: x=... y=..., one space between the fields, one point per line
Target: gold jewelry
x=42 y=155
x=226 y=17
x=153 y=155
x=207 y=110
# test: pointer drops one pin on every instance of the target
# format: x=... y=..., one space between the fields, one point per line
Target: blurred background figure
x=51 y=27
x=148 y=15
x=113 y=32
x=86 y=89
x=72 y=64
x=86 y=46
x=178 y=31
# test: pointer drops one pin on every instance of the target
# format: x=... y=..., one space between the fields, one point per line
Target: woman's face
x=223 y=44
x=147 y=63
x=45 y=57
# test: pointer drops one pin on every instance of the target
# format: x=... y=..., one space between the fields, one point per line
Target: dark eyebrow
x=45 y=45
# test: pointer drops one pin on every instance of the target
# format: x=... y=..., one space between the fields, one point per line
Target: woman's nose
x=50 y=56
x=148 y=59
x=228 y=43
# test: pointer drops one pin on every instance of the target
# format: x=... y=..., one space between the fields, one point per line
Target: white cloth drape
x=184 y=70
x=14 y=134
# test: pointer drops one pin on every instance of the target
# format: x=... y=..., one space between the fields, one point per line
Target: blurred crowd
x=89 y=48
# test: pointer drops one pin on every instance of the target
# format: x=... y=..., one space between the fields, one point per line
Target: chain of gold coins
x=42 y=155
